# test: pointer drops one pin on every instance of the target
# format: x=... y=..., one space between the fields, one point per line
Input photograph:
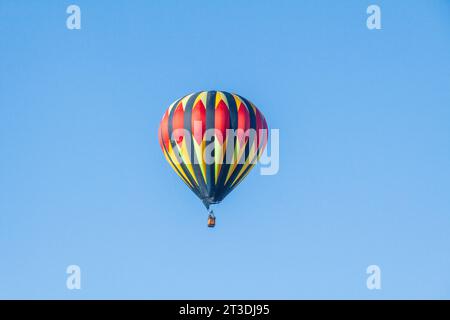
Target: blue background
x=364 y=149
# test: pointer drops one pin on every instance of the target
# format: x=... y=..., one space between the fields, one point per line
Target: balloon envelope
x=212 y=139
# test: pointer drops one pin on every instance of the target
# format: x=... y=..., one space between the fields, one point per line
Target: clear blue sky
x=364 y=119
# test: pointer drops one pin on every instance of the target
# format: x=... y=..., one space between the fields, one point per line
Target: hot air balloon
x=212 y=140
